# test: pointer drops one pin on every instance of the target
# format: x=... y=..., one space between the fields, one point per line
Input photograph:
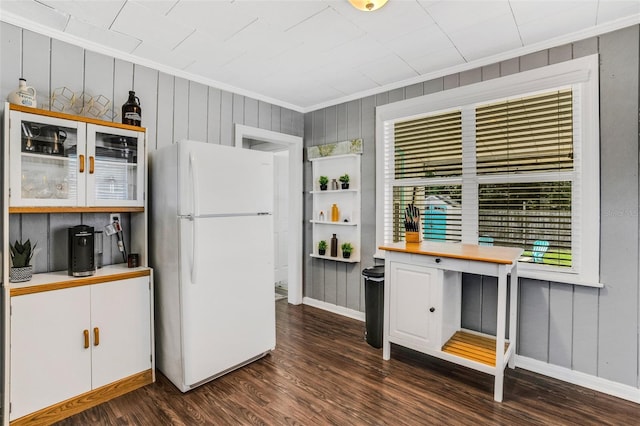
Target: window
x=510 y=162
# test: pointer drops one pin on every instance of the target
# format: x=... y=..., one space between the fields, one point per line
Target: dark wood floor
x=323 y=372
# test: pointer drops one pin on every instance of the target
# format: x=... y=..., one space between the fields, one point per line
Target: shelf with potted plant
x=21 y=254
x=336 y=181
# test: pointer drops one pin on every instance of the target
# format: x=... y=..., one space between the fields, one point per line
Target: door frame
x=294 y=144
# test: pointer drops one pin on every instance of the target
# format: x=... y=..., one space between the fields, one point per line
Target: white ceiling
x=308 y=54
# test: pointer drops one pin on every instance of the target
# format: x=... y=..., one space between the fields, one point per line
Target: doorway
x=288 y=149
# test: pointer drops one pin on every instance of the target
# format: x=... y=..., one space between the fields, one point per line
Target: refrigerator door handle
x=194 y=257
x=194 y=184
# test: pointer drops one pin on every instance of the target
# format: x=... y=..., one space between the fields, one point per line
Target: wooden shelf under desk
x=474 y=347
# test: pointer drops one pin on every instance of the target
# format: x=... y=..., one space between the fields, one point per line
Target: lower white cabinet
x=71 y=341
x=415 y=310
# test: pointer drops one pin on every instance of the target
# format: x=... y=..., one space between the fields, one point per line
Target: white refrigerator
x=212 y=255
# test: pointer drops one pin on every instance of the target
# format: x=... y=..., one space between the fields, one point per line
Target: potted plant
x=322 y=247
x=345 y=181
x=323 y=182
x=347 y=248
x=21 y=268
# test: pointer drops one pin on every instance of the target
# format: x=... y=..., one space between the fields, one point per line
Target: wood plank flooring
x=323 y=372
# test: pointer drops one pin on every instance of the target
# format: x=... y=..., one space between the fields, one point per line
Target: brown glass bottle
x=334 y=246
x=131 y=111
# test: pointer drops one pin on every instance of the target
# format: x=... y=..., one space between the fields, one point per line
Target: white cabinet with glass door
x=116 y=172
x=55 y=162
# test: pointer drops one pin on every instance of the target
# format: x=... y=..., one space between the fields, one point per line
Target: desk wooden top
x=493 y=254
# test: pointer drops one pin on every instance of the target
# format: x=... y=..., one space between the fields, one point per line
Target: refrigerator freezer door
x=227 y=293
x=218 y=180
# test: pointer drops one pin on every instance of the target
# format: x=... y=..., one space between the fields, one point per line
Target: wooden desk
x=422 y=303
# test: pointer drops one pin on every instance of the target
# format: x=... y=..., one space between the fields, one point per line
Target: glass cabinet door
x=116 y=166
x=47 y=161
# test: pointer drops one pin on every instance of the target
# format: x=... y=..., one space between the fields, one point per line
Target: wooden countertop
x=493 y=254
x=60 y=279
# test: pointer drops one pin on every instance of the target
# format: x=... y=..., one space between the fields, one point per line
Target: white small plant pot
x=18 y=275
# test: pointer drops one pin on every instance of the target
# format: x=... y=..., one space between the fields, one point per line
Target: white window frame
x=582 y=75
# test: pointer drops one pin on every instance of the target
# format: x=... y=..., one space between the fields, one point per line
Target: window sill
x=557 y=277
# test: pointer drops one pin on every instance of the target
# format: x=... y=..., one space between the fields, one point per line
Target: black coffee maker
x=81 y=251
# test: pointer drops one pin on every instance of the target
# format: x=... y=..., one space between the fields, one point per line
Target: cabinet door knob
x=86 y=339
x=91 y=164
x=81 y=163
x=432 y=309
x=96 y=336
x=438 y=260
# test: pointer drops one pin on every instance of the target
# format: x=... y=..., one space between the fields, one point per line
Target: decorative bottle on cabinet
x=334 y=245
x=335 y=213
x=25 y=95
x=131 y=110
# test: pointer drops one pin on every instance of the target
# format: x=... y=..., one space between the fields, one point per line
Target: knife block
x=413 y=237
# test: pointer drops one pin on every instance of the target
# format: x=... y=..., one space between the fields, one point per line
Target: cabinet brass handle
x=91 y=164
x=86 y=339
x=81 y=162
x=96 y=336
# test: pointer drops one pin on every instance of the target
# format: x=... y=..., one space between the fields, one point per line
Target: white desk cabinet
x=80 y=342
x=415 y=305
x=423 y=296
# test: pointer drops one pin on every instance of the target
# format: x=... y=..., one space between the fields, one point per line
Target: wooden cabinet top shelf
x=71 y=117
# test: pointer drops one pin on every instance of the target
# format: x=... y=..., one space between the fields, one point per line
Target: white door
x=49 y=360
x=281 y=216
x=226 y=293
x=414 y=310
x=120 y=329
x=217 y=179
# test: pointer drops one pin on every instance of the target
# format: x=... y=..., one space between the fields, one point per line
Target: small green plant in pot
x=347 y=248
x=322 y=247
x=21 y=255
x=323 y=181
x=345 y=181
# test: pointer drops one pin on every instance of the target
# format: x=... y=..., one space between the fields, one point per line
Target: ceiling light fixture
x=367 y=5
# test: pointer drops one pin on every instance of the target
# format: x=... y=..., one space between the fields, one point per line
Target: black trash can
x=374 y=304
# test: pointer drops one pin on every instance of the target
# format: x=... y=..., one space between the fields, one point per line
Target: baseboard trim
x=581 y=379
x=340 y=310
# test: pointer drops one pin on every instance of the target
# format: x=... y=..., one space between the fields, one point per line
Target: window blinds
x=526 y=136
x=429 y=146
x=529 y=134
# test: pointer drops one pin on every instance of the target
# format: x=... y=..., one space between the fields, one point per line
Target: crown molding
x=20 y=21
